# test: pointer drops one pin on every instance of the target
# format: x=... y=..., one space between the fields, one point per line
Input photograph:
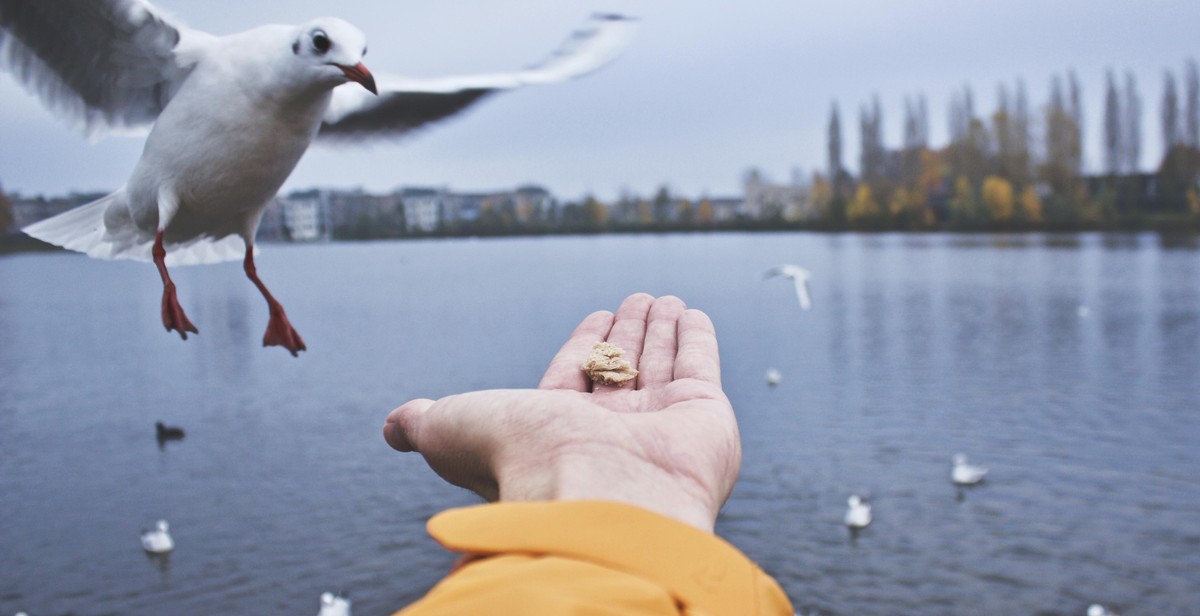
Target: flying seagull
x=799 y=275
x=227 y=118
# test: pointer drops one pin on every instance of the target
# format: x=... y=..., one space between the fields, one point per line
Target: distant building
x=765 y=200
x=422 y=208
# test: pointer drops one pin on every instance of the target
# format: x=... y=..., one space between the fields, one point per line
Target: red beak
x=360 y=74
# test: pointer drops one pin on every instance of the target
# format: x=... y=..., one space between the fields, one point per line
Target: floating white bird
x=334 y=605
x=773 y=376
x=858 y=515
x=1096 y=609
x=965 y=474
x=158 y=540
x=800 y=276
x=230 y=115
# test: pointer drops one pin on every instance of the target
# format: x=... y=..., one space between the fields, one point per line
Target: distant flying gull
x=965 y=474
x=1096 y=609
x=228 y=118
x=773 y=376
x=799 y=275
x=158 y=540
x=858 y=513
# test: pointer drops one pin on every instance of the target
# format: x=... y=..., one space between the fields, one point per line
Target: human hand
x=668 y=442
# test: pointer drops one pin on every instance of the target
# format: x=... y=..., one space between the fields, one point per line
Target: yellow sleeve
x=591 y=558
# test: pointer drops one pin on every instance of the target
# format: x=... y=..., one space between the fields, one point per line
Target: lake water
x=917 y=347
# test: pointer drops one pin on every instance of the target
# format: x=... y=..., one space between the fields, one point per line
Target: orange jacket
x=591 y=558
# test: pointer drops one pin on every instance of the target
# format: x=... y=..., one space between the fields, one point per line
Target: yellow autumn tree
x=704 y=212
x=1193 y=202
x=863 y=209
x=1031 y=205
x=998 y=197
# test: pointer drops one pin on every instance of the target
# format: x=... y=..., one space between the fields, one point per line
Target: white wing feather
x=406 y=103
x=106 y=65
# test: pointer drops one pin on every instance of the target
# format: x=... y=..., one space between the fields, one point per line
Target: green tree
x=964 y=210
x=594 y=213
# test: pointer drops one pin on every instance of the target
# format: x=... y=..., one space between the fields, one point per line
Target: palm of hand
x=669 y=443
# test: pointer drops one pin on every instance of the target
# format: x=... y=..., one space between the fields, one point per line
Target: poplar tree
x=1113 y=151
x=1170 y=113
x=1133 y=125
x=1192 y=104
x=835 y=144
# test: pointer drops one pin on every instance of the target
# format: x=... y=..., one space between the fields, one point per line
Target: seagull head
x=333 y=50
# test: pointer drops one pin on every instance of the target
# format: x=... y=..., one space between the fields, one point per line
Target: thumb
x=403 y=424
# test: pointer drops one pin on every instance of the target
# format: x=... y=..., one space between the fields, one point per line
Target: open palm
x=667 y=442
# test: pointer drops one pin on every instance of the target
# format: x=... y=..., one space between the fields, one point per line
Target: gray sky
x=703 y=93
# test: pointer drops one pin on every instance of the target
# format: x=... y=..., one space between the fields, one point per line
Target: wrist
x=610 y=473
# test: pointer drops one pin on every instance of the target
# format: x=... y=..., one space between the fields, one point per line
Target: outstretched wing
x=105 y=64
x=802 y=293
x=405 y=104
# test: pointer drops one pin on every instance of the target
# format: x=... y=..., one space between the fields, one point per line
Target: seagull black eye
x=321 y=42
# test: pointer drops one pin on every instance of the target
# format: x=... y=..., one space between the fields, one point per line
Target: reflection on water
x=917 y=347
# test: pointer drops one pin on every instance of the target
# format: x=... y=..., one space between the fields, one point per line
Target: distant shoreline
x=14 y=243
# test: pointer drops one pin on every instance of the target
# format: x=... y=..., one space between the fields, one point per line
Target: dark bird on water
x=167 y=433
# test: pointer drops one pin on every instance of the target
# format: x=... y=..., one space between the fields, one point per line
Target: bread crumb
x=606 y=366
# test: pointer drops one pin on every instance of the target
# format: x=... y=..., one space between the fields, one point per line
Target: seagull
x=859 y=513
x=158 y=541
x=773 y=376
x=227 y=118
x=334 y=605
x=799 y=275
x=966 y=474
x=1096 y=609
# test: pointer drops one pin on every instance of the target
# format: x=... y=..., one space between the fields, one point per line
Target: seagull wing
x=109 y=65
x=405 y=104
x=802 y=292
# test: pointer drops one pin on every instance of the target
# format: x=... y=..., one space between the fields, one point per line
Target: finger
x=698 y=357
x=657 y=363
x=565 y=370
x=629 y=331
x=403 y=424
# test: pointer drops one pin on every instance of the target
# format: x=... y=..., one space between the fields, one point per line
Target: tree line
x=1018 y=168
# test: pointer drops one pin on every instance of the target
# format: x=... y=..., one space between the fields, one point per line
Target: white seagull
x=773 y=376
x=228 y=118
x=334 y=605
x=158 y=540
x=1096 y=609
x=965 y=474
x=800 y=276
x=858 y=515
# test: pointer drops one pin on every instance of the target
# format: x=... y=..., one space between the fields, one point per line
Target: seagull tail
x=104 y=229
x=95 y=228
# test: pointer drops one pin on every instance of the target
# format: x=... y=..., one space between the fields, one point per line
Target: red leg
x=172 y=313
x=279 y=330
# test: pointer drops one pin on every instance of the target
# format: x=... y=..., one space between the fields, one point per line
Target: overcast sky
x=702 y=94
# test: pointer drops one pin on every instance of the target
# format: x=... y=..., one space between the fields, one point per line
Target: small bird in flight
x=800 y=276
x=228 y=118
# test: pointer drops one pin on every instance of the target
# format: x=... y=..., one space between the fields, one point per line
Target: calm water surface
x=918 y=347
